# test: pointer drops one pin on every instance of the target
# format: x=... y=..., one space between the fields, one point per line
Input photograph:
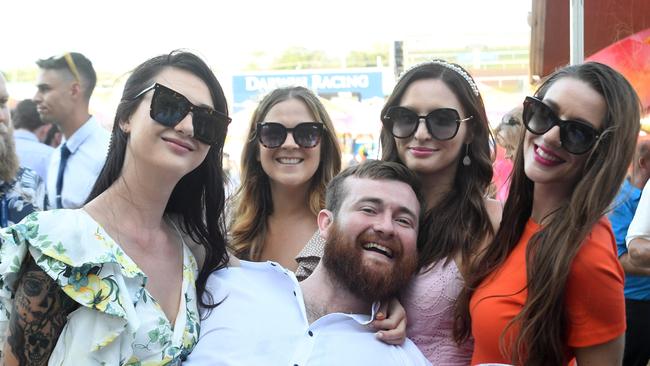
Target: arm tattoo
x=39 y=312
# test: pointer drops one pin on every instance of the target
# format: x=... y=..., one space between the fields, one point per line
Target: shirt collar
x=25 y=135
x=364 y=319
x=78 y=138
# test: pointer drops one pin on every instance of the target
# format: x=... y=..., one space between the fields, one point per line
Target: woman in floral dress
x=116 y=282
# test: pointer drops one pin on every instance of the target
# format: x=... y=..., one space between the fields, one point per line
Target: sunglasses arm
x=144 y=92
x=253 y=135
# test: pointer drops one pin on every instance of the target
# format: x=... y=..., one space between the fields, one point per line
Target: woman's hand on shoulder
x=38 y=315
x=390 y=323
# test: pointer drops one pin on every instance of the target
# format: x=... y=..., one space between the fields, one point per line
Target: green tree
x=376 y=57
x=296 y=58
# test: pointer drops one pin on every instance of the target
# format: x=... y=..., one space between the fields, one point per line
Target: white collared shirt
x=640 y=225
x=262 y=321
x=32 y=153
x=88 y=148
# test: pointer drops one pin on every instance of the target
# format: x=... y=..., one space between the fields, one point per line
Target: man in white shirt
x=265 y=317
x=638 y=235
x=30 y=132
x=65 y=84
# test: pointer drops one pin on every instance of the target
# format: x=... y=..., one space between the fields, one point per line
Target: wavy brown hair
x=542 y=336
x=459 y=223
x=253 y=202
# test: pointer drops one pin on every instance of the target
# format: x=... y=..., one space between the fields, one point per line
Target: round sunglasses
x=577 y=137
x=169 y=107
x=442 y=124
x=273 y=134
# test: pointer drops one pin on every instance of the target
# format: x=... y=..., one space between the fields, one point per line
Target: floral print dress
x=118 y=322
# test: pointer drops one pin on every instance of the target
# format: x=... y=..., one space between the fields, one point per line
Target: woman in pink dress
x=435 y=123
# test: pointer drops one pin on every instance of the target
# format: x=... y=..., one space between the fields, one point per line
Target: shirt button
x=311 y=334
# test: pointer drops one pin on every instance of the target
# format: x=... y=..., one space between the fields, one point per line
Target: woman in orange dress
x=550 y=288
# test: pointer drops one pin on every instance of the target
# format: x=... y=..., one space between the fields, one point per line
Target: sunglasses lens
x=577 y=138
x=537 y=116
x=443 y=123
x=307 y=135
x=401 y=122
x=208 y=127
x=168 y=107
x=272 y=135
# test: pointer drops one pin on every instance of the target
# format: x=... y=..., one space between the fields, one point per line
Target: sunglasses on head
x=72 y=66
x=69 y=61
x=576 y=137
x=306 y=134
x=442 y=123
x=169 y=107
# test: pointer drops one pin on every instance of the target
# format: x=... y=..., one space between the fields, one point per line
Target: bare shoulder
x=495 y=211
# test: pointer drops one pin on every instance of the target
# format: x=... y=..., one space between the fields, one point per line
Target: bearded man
x=21 y=190
x=265 y=316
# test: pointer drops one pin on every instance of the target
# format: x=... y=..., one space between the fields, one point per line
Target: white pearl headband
x=457 y=69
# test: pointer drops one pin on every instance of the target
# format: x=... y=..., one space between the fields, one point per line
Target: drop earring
x=467 y=161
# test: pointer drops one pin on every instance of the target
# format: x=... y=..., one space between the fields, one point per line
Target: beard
x=343 y=258
x=8 y=159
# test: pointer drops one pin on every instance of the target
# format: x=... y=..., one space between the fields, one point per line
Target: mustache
x=392 y=243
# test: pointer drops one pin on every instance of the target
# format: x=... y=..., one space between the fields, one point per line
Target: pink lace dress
x=429 y=302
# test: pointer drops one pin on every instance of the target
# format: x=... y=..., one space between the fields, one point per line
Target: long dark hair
x=199 y=196
x=459 y=223
x=542 y=337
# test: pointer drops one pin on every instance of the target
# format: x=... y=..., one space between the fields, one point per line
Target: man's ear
x=325 y=221
x=76 y=90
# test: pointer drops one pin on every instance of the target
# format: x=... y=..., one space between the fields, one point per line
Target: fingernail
x=379 y=335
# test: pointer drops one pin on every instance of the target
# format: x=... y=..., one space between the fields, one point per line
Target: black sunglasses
x=442 y=123
x=169 y=107
x=576 y=137
x=306 y=134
